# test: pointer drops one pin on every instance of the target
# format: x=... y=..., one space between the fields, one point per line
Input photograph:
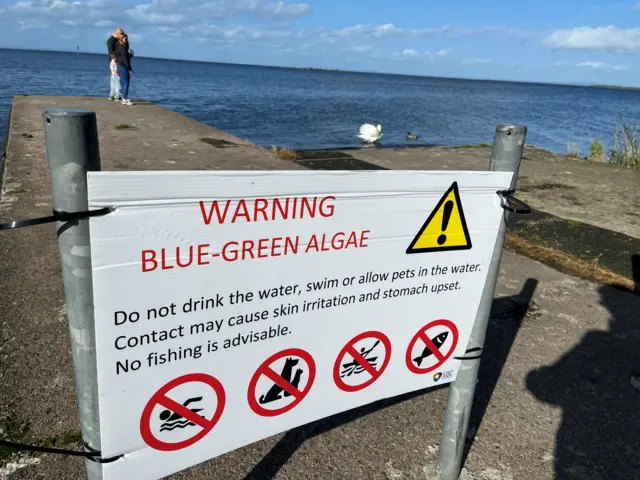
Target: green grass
x=573 y=150
x=574 y=224
x=596 y=150
x=15 y=429
x=625 y=151
x=124 y=126
x=626 y=147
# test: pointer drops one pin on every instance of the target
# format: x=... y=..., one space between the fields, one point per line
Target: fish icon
x=438 y=341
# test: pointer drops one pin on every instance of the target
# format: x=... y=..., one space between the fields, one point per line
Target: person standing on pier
x=123 y=60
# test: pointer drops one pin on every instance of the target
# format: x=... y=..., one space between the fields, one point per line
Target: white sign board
x=232 y=306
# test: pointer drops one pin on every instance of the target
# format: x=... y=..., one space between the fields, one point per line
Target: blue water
x=306 y=109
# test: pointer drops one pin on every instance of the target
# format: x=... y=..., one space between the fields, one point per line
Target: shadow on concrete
x=293 y=439
x=506 y=316
x=597 y=385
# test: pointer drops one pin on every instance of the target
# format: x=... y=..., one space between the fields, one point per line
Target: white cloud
x=146 y=15
x=169 y=11
x=636 y=6
x=57 y=8
x=608 y=38
x=104 y=24
x=32 y=25
x=603 y=66
x=70 y=13
x=412 y=53
x=391 y=30
x=356 y=49
x=260 y=8
x=157 y=12
x=591 y=64
x=230 y=34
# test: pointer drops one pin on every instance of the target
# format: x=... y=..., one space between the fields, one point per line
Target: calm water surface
x=315 y=109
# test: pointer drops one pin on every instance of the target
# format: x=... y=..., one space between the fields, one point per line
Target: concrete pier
x=541 y=318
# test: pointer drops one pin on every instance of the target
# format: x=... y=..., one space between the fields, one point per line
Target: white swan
x=369 y=133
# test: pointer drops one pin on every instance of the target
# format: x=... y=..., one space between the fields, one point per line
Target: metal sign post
x=506 y=156
x=72 y=150
x=71 y=138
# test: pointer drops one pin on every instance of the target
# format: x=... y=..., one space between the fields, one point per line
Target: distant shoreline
x=335 y=70
x=615 y=87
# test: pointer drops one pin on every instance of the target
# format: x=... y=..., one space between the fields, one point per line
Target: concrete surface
x=555 y=400
x=555 y=393
x=571 y=188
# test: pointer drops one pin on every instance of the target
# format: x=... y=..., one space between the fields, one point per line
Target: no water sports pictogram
x=281 y=382
x=362 y=361
x=186 y=410
x=432 y=346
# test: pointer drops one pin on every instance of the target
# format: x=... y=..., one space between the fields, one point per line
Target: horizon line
x=339 y=70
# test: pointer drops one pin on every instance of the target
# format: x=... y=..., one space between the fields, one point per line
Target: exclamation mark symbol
x=446 y=216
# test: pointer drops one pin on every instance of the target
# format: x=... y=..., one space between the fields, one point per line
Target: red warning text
x=235 y=251
x=266 y=209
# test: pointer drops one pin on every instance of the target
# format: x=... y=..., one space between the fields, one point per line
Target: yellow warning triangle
x=445 y=229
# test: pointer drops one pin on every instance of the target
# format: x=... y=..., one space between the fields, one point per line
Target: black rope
x=471 y=350
x=93 y=455
x=511 y=203
x=56 y=217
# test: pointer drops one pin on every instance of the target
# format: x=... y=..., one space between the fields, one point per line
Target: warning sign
x=182 y=412
x=445 y=229
x=293 y=290
x=362 y=361
x=432 y=346
x=281 y=382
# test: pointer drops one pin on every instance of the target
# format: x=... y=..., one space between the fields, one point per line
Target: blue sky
x=565 y=41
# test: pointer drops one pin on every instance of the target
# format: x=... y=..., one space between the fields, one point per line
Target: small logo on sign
x=437 y=376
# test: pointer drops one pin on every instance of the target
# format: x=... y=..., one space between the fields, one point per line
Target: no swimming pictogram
x=281 y=382
x=182 y=412
x=362 y=361
x=432 y=346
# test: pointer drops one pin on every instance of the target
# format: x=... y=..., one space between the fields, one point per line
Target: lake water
x=306 y=109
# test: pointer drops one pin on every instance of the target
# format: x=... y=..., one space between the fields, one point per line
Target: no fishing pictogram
x=179 y=424
x=432 y=346
x=282 y=386
x=362 y=360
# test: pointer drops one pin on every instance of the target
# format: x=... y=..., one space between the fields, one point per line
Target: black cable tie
x=92 y=455
x=471 y=350
x=57 y=217
x=511 y=203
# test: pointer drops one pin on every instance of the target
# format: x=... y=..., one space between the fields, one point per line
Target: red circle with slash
x=160 y=399
x=266 y=370
x=350 y=349
x=423 y=336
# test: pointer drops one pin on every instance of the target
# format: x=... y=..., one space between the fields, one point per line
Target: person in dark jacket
x=123 y=60
x=111 y=49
